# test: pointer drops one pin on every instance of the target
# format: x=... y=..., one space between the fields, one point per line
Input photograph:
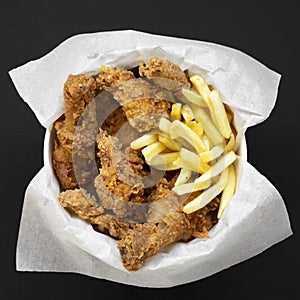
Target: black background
x=266 y=31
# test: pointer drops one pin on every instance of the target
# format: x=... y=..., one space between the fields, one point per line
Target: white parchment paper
x=256 y=218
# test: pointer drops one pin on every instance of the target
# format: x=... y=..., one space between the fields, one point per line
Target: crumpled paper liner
x=255 y=219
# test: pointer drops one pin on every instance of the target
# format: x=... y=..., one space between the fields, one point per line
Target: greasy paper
x=52 y=240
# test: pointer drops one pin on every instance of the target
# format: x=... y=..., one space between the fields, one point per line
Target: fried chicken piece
x=79 y=90
x=146 y=240
x=114 y=121
x=161 y=69
x=116 y=172
x=143 y=103
x=62 y=155
x=110 y=76
x=85 y=207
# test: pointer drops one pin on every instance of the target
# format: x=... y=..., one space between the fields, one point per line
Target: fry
x=191 y=124
x=150 y=151
x=176 y=111
x=198 y=130
x=208 y=195
x=220 y=113
x=187 y=113
x=173 y=166
x=169 y=143
x=202 y=89
x=188 y=188
x=179 y=129
x=218 y=167
x=164 y=159
x=183 y=177
x=144 y=140
x=184 y=143
x=228 y=191
x=206 y=141
x=191 y=161
x=193 y=97
x=208 y=126
x=231 y=143
x=164 y=125
x=214 y=153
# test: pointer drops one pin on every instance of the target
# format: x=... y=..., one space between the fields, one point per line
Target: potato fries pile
x=198 y=139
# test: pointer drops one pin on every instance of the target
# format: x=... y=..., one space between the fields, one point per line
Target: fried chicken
x=143 y=103
x=62 y=155
x=110 y=76
x=161 y=69
x=146 y=240
x=79 y=90
x=86 y=208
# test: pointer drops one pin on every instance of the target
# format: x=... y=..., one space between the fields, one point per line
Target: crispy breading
x=116 y=172
x=143 y=103
x=79 y=90
x=62 y=155
x=110 y=76
x=86 y=208
x=146 y=240
x=163 y=68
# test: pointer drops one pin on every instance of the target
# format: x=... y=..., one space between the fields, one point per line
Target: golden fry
x=220 y=113
x=179 y=129
x=144 y=140
x=150 y=151
x=176 y=111
x=228 y=190
x=211 y=131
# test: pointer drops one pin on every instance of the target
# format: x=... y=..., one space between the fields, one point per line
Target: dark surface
x=269 y=33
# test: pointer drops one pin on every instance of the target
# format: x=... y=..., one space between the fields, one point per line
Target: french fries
x=212 y=154
x=144 y=140
x=218 y=167
x=176 y=111
x=168 y=142
x=202 y=143
x=164 y=125
x=228 y=191
x=188 y=188
x=150 y=151
x=220 y=113
x=205 y=197
x=191 y=161
x=211 y=131
x=187 y=113
x=202 y=89
x=164 y=159
x=183 y=177
x=179 y=129
x=193 y=97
